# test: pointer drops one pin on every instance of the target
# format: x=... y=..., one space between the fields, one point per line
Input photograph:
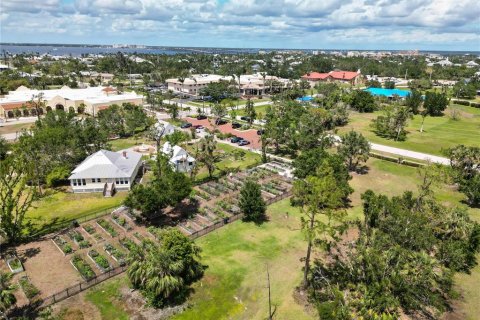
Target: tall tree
x=250 y=111
x=15 y=198
x=207 y=154
x=414 y=101
x=363 y=101
x=435 y=103
x=318 y=195
x=354 y=148
x=251 y=202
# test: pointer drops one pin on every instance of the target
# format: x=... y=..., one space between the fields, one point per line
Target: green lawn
x=63 y=206
x=439 y=132
x=234 y=286
x=105 y=297
x=229 y=161
x=260 y=110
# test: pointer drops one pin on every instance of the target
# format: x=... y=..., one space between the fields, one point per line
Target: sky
x=304 y=24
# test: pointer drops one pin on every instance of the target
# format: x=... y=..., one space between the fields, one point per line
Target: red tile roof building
x=352 y=77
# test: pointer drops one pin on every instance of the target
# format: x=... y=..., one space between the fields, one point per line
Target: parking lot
x=248 y=135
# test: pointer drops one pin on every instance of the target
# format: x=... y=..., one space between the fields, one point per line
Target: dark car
x=198 y=126
x=243 y=143
x=244 y=118
x=260 y=132
x=201 y=117
x=219 y=122
x=186 y=125
x=235 y=139
x=236 y=125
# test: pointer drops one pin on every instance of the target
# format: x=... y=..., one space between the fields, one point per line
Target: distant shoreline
x=186 y=48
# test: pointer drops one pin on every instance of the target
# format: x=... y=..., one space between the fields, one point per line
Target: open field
x=439 y=132
x=234 y=283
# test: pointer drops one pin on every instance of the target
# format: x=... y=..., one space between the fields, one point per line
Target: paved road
x=10 y=136
x=11 y=122
x=410 y=154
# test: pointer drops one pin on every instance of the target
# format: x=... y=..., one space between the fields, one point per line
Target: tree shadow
x=362 y=170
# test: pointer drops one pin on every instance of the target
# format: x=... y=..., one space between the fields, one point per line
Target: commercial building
x=92 y=99
x=250 y=84
x=350 y=77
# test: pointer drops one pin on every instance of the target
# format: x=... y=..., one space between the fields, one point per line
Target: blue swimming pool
x=305 y=98
x=388 y=92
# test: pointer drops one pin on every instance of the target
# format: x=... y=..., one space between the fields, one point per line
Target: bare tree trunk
x=423 y=121
x=309 y=252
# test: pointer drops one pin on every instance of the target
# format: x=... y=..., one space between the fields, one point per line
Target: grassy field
x=63 y=206
x=439 y=132
x=105 y=297
x=234 y=285
x=124 y=143
x=229 y=161
x=260 y=110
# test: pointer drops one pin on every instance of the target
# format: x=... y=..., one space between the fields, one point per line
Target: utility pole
x=270 y=313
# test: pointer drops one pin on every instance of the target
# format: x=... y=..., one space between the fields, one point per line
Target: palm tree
x=7 y=298
x=156 y=270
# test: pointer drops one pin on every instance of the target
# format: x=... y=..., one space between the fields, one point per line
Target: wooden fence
x=75 y=289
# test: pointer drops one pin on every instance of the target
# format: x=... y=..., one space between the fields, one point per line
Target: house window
x=74 y=182
x=94 y=180
x=83 y=182
x=99 y=180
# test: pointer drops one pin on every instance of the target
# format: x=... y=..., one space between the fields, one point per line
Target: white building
x=106 y=171
x=250 y=84
x=180 y=160
x=93 y=99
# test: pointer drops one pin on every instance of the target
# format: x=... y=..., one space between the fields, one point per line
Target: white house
x=106 y=171
x=180 y=160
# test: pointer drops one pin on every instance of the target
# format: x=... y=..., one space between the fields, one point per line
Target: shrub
x=28 y=288
x=462 y=102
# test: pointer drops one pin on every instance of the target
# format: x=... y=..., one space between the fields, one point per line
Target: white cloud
x=276 y=22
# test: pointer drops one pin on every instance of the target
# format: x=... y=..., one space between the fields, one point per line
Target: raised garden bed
x=78 y=239
x=28 y=288
x=100 y=261
x=116 y=254
x=14 y=264
x=107 y=227
x=62 y=245
x=121 y=222
x=127 y=243
x=89 y=229
x=82 y=267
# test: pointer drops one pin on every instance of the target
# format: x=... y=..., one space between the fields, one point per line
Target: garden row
x=219 y=200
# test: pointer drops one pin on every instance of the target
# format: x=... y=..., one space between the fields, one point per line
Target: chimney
x=125 y=154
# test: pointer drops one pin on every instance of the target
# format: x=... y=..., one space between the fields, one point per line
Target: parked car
x=198 y=126
x=244 y=118
x=186 y=125
x=220 y=122
x=236 y=125
x=243 y=143
x=201 y=117
x=235 y=139
x=260 y=132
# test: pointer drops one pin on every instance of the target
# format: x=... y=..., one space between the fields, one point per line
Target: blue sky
x=329 y=24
